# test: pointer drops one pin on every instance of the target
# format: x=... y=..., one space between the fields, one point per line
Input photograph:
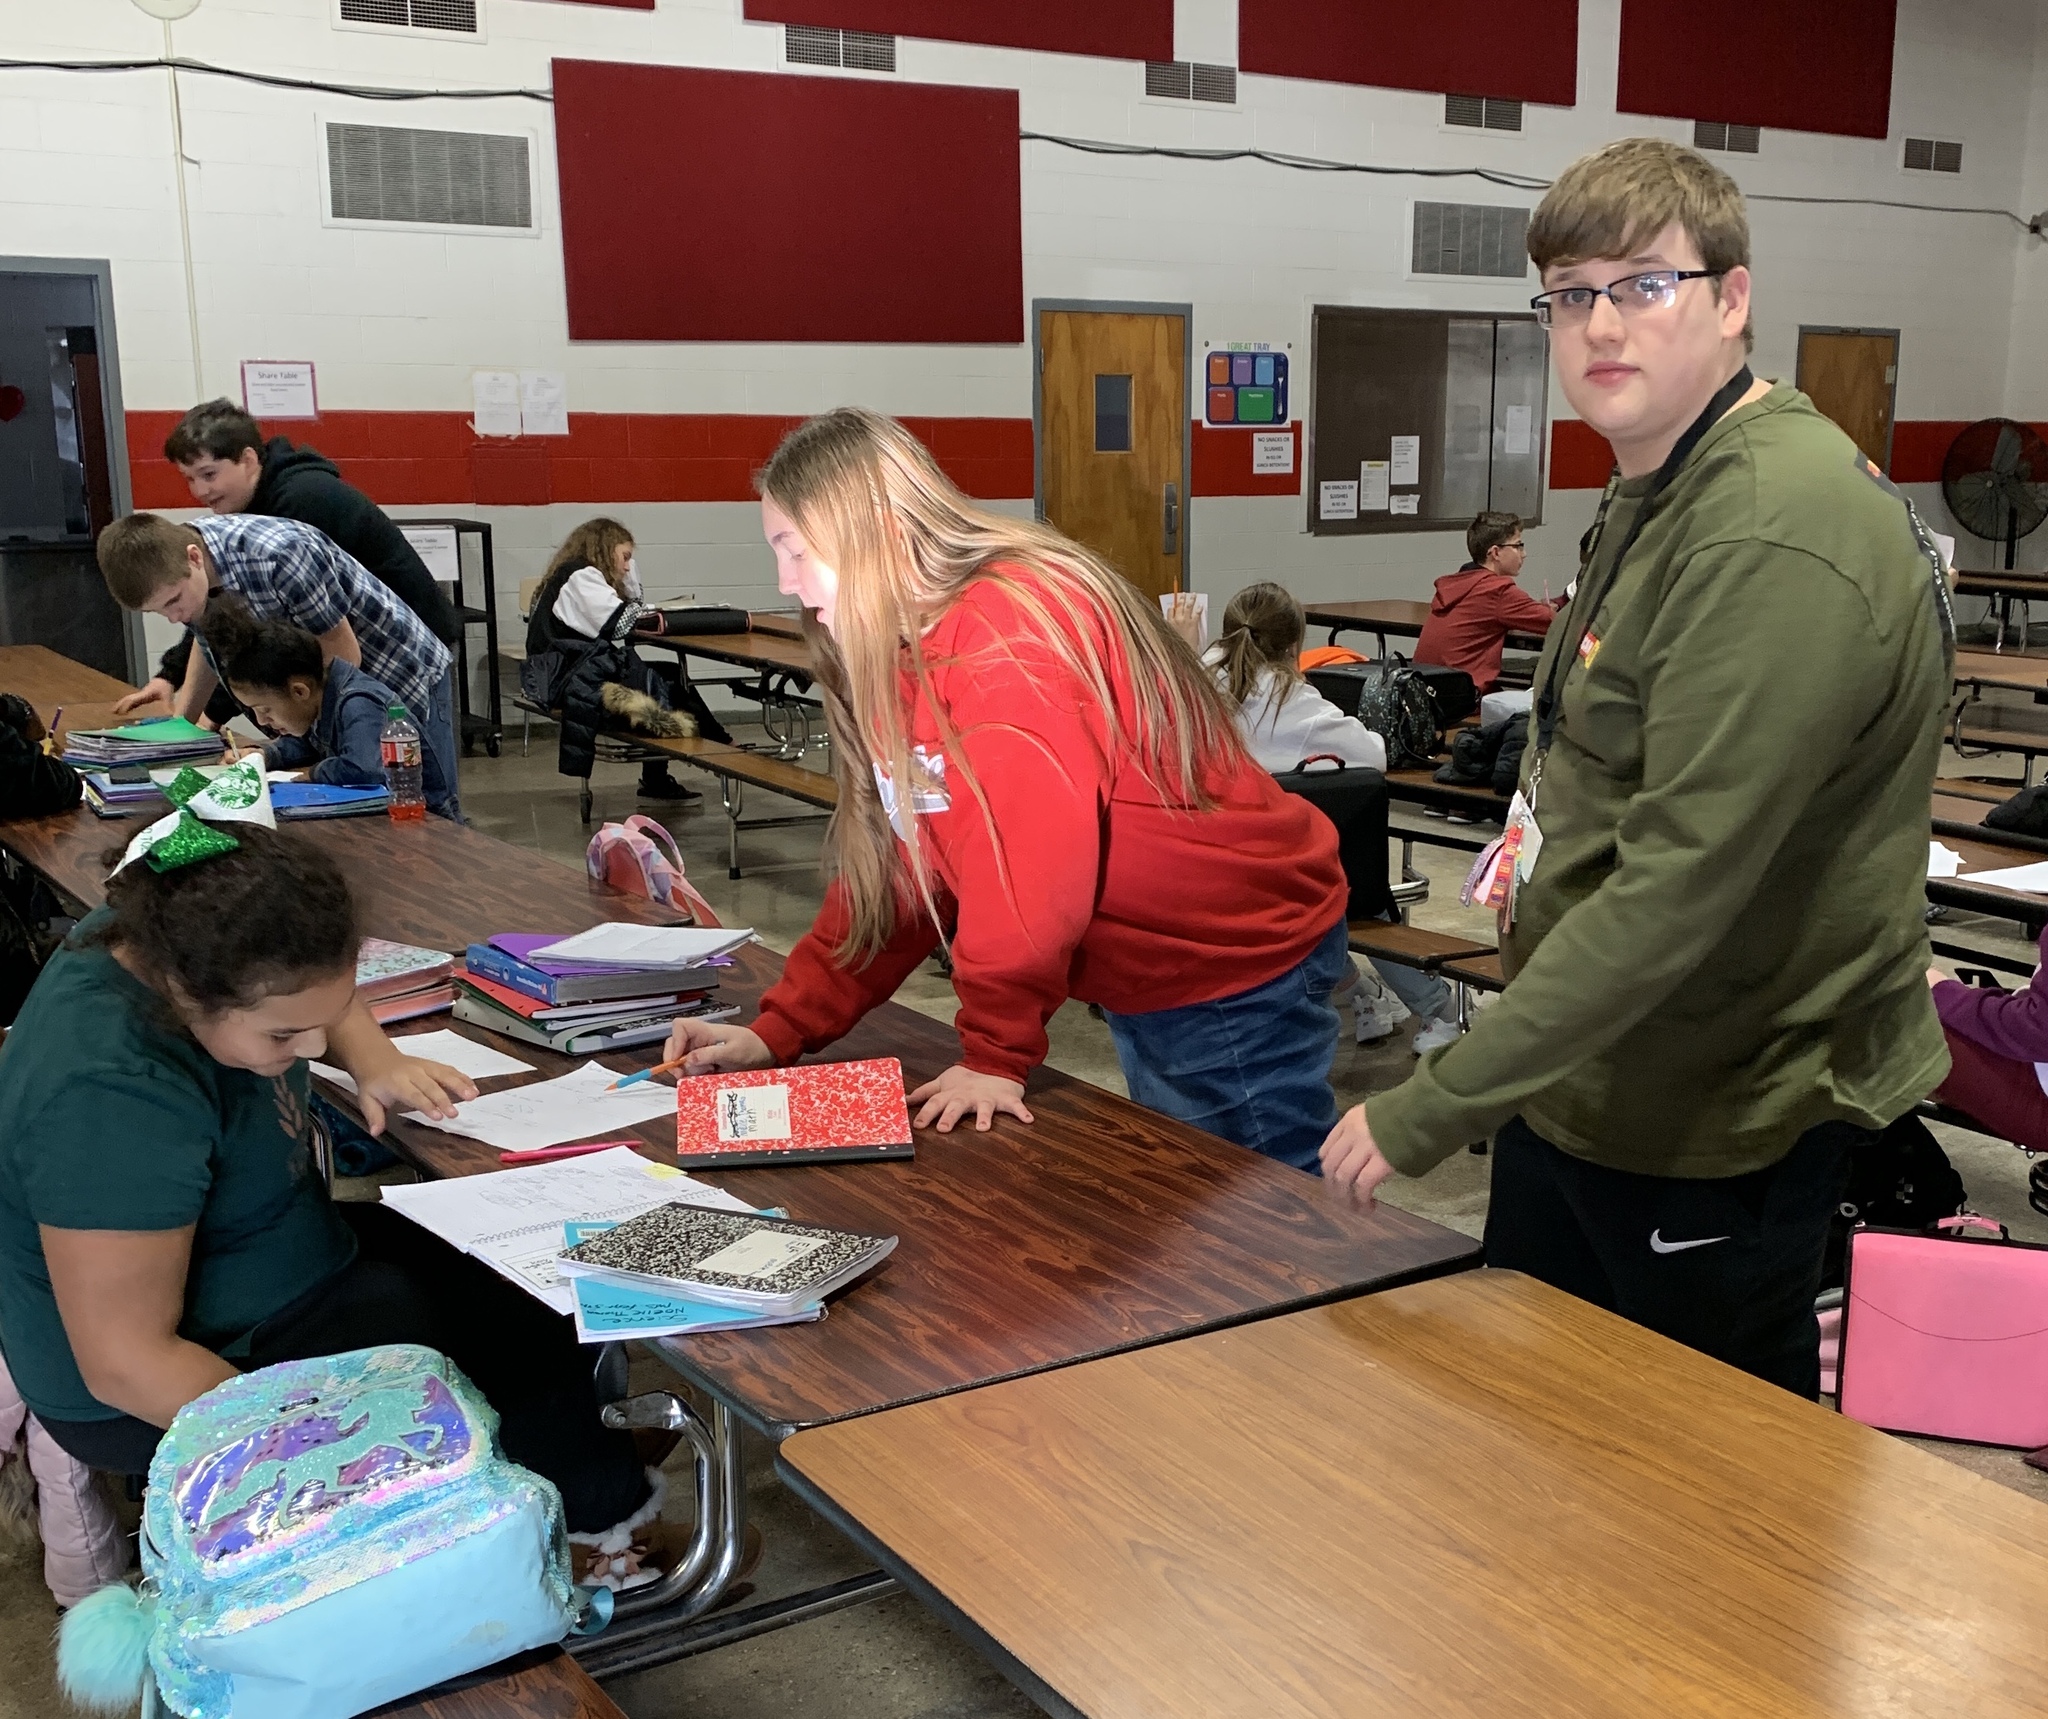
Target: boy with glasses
x=1714 y=926
x=1475 y=608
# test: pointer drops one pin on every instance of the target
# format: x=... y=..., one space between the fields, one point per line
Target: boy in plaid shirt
x=289 y=572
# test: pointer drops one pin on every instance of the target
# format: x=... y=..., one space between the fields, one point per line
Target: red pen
x=542 y=1155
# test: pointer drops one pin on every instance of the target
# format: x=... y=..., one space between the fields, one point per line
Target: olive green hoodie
x=1722 y=943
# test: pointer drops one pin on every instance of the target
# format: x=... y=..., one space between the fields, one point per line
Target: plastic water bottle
x=404 y=779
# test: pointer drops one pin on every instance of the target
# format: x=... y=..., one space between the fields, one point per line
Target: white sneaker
x=1436 y=1035
x=1374 y=1017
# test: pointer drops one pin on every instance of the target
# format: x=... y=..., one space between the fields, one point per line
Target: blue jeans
x=437 y=735
x=1254 y=1068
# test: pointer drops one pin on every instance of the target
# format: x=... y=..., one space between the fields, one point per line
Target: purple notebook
x=520 y=945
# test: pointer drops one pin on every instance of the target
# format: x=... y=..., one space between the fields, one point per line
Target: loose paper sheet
x=1515 y=431
x=1407 y=461
x=620 y=943
x=495 y=398
x=1272 y=453
x=1373 y=485
x=512 y=1219
x=2027 y=879
x=1942 y=862
x=554 y=1112
x=479 y=1062
x=1337 y=501
x=544 y=402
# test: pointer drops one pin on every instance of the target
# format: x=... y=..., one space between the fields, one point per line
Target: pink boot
x=83 y=1546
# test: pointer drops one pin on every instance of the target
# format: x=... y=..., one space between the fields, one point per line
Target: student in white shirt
x=1285 y=722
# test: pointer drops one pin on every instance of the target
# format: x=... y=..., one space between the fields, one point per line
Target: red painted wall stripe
x=434 y=459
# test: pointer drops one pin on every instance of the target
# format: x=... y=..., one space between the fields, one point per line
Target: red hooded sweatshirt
x=1470 y=617
x=1078 y=879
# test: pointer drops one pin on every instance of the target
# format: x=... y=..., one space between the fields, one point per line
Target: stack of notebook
x=158 y=741
x=293 y=800
x=400 y=981
x=515 y=985
x=123 y=793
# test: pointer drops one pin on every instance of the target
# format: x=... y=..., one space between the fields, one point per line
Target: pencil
x=647 y=1074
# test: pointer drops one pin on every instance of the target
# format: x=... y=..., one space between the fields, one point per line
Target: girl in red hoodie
x=1032 y=768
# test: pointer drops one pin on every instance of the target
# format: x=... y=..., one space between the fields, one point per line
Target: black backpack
x=1901 y=1180
x=1394 y=703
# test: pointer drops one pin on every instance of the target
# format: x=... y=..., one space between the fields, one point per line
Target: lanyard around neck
x=1586 y=603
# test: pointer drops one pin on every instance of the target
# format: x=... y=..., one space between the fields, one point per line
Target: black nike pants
x=1728 y=1266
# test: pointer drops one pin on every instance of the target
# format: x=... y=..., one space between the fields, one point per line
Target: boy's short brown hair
x=213 y=430
x=1489 y=531
x=141 y=554
x=1616 y=200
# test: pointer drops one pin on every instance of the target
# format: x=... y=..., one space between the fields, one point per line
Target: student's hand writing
x=409 y=1083
x=960 y=1090
x=157 y=691
x=712 y=1045
x=1352 y=1158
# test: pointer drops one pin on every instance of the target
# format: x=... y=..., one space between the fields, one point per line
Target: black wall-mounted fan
x=1995 y=481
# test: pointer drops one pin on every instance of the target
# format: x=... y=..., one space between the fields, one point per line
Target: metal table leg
x=732 y=796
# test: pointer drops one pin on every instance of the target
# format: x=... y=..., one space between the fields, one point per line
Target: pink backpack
x=639 y=857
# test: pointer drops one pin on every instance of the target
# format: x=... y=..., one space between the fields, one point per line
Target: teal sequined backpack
x=321 y=1537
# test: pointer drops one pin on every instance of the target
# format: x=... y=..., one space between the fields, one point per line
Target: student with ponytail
x=329 y=717
x=1034 y=769
x=163 y=1225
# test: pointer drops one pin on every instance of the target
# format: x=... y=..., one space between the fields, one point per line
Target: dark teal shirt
x=113 y=1118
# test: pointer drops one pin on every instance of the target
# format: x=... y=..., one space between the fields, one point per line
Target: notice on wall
x=279 y=388
x=1407 y=460
x=543 y=402
x=1515 y=432
x=495 y=396
x=1373 y=481
x=1272 y=452
x=1406 y=504
x=435 y=545
x=1337 y=500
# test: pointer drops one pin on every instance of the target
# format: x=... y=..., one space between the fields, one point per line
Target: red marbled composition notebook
x=814 y=1113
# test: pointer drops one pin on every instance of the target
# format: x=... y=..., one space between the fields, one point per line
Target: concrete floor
x=892 y=1660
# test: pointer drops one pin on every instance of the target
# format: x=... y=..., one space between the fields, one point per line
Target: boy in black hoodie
x=229 y=467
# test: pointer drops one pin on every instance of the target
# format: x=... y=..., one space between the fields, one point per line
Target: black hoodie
x=298 y=483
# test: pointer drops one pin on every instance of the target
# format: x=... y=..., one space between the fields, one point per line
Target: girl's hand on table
x=960 y=1090
x=705 y=1046
x=409 y=1083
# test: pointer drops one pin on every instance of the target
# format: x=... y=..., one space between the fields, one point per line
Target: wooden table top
x=1394 y=616
x=1101 y=1227
x=1476 y=1496
x=772 y=652
x=44 y=678
x=547 y=1684
x=1995 y=584
x=2019 y=670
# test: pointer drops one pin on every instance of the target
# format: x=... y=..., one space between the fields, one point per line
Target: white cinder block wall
x=396 y=320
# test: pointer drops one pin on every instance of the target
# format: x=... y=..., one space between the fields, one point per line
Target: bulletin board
x=1121 y=30
x=1524 y=50
x=1802 y=65
x=770 y=206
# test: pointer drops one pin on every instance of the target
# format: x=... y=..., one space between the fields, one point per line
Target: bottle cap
x=397 y=710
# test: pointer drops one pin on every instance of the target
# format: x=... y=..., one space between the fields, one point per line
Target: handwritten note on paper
x=1405 y=504
x=550 y=1112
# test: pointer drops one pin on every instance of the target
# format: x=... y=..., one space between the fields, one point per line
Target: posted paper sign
x=1272 y=453
x=1373 y=486
x=544 y=402
x=435 y=545
x=495 y=397
x=1515 y=431
x=279 y=388
x=1406 y=504
x=1407 y=461
x=1337 y=500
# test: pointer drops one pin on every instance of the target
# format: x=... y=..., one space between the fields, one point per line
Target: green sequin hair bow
x=187 y=836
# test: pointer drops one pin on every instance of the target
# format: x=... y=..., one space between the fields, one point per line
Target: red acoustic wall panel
x=1803 y=65
x=1117 y=29
x=1524 y=50
x=707 y=205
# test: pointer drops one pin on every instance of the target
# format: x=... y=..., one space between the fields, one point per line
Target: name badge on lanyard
x=1508 y=862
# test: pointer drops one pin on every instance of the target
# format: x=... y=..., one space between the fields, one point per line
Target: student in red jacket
x=1032 y=768
x=1475 y=608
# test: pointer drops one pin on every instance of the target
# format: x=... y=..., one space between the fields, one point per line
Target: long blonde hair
x=906 y=543
x=1262 y=631
x=594 y=543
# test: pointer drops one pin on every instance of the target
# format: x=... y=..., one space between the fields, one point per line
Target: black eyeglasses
x=1634 y=295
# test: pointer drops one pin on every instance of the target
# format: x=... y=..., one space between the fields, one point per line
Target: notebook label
x=765 y=1253
x=753 y=1113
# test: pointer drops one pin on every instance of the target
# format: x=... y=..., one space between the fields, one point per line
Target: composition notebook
x=729 y=1259
x=817 y=1113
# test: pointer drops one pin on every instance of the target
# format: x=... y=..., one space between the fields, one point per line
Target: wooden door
x=1112 y=437
x=1851 y=375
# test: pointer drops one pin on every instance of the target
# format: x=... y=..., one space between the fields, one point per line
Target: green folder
x=157 y=731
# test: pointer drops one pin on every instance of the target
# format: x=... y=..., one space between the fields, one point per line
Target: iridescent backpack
x=321 y=1537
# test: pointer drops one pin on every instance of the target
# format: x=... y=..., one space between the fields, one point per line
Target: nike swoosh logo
x=1659 y=1245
